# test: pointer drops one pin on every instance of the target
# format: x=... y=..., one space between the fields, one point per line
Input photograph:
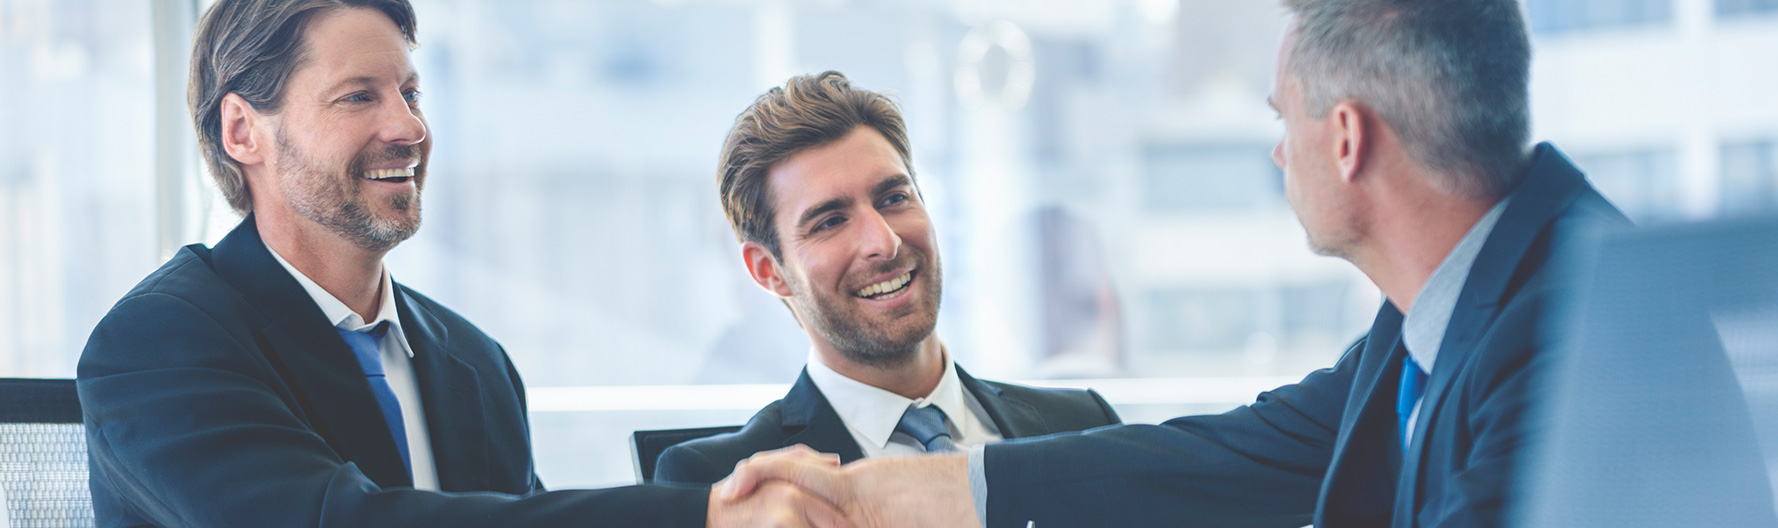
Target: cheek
x=818 y=266
x=915 y=230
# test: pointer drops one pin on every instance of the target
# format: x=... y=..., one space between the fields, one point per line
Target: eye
x=357 y=97
x=897 y=198
x=829 y=223
x=412 y=96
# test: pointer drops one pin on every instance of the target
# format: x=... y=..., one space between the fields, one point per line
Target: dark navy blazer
x=1327 y=449
x=216 y=393
x=805 y=417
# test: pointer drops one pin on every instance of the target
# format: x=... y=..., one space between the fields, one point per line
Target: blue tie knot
x=927 y=425
x=365 y=347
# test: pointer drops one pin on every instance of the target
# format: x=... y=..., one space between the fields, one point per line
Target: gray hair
x=1450 y=76
x=250 y=48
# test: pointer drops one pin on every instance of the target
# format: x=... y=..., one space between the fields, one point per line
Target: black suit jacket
x=1327 y=449
x=805 y=417
x=216 y=393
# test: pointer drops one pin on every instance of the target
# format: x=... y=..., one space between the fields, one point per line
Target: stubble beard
x=336 y=201
x=840 y=323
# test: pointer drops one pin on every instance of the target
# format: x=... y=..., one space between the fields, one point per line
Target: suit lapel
x=809 y=420
x=1013 y=418
x=1549 y=188
x=304 y=346
x=1367 y=456
x=451 y=398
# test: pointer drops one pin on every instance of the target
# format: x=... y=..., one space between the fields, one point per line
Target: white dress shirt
x=1423 y=328
x=398 y=367
x=871 y=414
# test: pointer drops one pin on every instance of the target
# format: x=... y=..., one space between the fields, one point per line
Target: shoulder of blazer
x=709 y=459
x=1022 y=411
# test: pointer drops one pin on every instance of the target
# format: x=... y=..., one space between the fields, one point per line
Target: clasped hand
x=797 y=487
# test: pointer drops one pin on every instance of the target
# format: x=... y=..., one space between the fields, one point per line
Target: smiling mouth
x=401 y=175
x=886 y=289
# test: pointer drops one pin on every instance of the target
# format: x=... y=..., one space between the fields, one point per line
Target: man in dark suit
x=1406 y=124
x=283 y=378
x=817 y=181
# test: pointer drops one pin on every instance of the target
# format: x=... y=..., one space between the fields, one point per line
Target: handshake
x=798 y=487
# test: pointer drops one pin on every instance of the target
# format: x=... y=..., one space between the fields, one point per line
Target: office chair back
x=646 y=446
x=43 y=465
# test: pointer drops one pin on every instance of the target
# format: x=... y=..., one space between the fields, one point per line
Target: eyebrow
x=892 y=182
x=831 y=205
x=1271 y=104
x=367 y=80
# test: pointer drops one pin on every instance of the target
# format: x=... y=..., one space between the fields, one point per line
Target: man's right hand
x=778 y=504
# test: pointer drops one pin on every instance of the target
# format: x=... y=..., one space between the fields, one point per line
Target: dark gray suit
x=805 y=417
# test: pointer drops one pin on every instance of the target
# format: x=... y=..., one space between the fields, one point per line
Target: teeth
x=886 y=286
x=386 y=174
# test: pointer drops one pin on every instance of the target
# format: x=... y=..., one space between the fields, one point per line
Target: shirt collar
x=874 y=412
x=343 y=317
x=1423 y=329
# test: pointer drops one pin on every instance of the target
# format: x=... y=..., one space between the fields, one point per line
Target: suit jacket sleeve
x=1260 y=465
x=185 y=426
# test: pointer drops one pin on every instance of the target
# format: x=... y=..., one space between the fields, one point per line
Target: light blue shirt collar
x=1423 y=330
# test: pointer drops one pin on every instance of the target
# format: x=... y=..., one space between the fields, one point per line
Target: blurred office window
x=1750 y=177
x=1198 y=178
x=1559 y=16
x=76 y=173
x=1101 y=186
x=1643 y=182
x=1741 y=8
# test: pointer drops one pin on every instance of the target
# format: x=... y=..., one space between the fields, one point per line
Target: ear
x=241 y=138
x=1351 y=138
x=765 y=269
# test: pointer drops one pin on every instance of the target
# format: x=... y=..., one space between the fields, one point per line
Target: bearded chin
x=375 y=234
x=862 y=342
x=336 y=202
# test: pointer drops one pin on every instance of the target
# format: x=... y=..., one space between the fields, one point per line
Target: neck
x=1414 y=229
x=912 y=379
x=348 y=272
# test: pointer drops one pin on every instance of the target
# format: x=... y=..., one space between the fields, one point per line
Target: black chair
x=646 y=446
x=43 y=466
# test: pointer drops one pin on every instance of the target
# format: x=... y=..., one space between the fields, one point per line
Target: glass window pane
x=76 y=173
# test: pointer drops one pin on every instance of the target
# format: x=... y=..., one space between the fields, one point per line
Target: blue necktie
x=927 y=425
x=1413 y=385
x=364 y=346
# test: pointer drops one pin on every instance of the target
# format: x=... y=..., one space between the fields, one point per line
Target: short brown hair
x=250 y=48
x=808 y=111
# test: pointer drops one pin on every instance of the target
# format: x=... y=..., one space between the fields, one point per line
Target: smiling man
x=817 y=182
x=283 y=378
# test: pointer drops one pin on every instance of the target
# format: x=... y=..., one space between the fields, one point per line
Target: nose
x=402 y=124
x=878 y=240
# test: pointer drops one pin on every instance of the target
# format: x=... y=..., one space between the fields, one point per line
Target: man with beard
x=283 y=378
x=816 y=180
